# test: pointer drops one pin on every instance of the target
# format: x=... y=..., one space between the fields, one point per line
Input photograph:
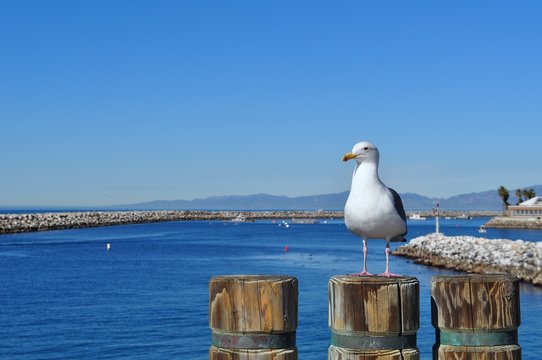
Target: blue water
x=63 y=296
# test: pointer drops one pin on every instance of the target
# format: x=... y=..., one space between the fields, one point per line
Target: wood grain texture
x=476 y=302
x=269 y=354
x=253 y=303
x=508 y=352
x=373 y=308
x=374 y=305
x=255 y=307
x=337 y=353
x=476 y=307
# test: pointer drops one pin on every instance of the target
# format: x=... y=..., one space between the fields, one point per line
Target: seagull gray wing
x=398 y=203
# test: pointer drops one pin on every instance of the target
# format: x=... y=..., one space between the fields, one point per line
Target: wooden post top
x=249 y=278
x=475 y=302
x=373 y=279
x=374 y=305
x=253 y=303
x=474 y=278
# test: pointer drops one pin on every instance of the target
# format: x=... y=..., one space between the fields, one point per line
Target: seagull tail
x=399 y=238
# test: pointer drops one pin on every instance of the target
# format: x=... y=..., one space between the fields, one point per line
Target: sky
x=118 y=102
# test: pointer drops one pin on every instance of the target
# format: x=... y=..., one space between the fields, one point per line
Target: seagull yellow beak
x=349 y=156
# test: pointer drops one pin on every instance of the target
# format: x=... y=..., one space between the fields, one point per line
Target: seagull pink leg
x=364 y=272
x=387 y=273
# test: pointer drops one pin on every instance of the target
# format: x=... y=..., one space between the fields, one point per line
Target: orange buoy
x=286 y=248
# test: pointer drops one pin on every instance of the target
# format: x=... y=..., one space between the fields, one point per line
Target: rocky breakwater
x=16 y=223
x=507 y=222
x=478 y=255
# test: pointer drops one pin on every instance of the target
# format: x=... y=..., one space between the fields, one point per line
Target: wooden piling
x=476 y=317
x=373 y=318
x=253 y=317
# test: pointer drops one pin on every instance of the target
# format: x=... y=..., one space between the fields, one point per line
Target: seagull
x=373 y=210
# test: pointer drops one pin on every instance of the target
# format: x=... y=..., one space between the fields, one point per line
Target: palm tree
x=529 y=194
x=519 y=194
x=504 y=194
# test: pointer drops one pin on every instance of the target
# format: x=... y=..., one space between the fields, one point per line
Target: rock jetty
x=522 y=259
x=16 y=223
x=507 y=222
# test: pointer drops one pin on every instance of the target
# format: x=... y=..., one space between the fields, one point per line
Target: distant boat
x=239 y=218
x=482 y=229
x=304 y=221
x=416 y=217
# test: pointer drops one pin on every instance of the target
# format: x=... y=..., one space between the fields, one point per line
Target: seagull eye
x=366 y=148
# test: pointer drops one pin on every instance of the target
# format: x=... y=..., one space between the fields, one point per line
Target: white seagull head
x=363 y=152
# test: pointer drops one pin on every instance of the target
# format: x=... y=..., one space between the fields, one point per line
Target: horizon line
x=7 y=207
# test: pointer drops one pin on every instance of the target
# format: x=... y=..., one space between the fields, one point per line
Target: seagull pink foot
x=389 y=274
x=363 y=273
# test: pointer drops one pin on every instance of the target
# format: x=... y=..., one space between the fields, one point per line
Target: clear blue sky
x=112 y=102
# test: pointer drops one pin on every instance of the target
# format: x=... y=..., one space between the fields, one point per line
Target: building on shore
x=529 y=208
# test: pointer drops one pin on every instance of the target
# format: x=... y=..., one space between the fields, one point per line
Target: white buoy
x=108 y=246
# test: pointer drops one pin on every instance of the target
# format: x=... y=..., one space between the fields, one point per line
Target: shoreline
x=11 y=223
x=522 y=259
x=31 y=222
x=505 y=222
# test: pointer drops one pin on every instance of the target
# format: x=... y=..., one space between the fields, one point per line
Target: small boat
x=482 y=229
x=416 y=217
x=239 y=218
x=304 y=221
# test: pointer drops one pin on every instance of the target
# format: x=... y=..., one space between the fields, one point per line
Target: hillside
x=485 y=200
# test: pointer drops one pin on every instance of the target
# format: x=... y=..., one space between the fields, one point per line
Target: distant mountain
x=486 y=200
x=247 y=202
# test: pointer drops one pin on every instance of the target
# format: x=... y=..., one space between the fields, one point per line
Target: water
x=64 y=296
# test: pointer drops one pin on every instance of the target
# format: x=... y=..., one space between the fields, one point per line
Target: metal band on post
x=479 y=338
x=253 y=317
x=371 y=342
x=475 y=316
x=373 y=317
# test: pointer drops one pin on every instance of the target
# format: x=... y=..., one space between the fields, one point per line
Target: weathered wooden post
x=373 y=318
x=253 y=317
x=475 y=317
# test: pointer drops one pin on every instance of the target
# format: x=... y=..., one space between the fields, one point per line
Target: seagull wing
x=398 y=203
